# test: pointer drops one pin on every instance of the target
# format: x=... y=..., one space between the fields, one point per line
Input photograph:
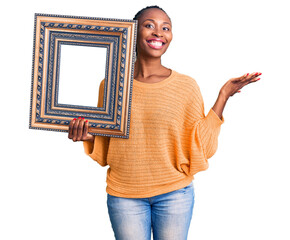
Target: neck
x=146 y=67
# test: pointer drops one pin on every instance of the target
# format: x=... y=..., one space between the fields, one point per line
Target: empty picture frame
x=82 y=67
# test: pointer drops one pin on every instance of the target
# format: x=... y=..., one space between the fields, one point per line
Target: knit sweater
x=170 y=139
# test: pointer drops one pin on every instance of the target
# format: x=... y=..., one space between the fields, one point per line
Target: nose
x=157 y=33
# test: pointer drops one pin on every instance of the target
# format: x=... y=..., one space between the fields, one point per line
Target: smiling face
x=154 y=33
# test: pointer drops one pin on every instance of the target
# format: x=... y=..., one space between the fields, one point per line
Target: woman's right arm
x=95 y=146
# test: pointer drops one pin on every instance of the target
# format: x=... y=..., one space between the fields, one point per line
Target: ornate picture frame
x=112 y=115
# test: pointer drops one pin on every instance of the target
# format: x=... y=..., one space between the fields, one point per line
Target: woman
x=149 y=182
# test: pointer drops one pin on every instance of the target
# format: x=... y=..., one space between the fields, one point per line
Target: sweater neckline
x=155 y=85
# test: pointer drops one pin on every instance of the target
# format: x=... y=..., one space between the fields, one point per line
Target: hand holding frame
x=78 y=130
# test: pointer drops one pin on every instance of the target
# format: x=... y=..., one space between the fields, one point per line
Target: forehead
x=155 y=14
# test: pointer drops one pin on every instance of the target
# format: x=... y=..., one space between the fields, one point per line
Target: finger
x=75 y=129
x=70 y=128
x=237 y=91
x=254 y=75
x=86 y=129
x=255 y=80
x=246 y=78
x=249 y=78
x=246 y=75
x=240 y=79
x=80 y=129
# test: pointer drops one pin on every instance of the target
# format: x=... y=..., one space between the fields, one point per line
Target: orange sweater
x=170 y=139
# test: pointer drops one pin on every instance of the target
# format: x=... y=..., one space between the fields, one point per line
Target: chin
x=154 y=53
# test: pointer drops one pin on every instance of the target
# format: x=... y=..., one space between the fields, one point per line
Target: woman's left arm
x=230 y=88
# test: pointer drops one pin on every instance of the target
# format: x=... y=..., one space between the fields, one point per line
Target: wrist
x=223 y=96
x=90 y=138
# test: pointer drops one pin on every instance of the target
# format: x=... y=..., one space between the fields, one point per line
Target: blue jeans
x=168 y=215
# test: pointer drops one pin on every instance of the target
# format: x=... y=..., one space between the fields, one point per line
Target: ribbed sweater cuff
x=97 y=150
x=214 y=119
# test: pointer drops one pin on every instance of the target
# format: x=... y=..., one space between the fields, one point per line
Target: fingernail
x=79 y=117
x=74 y=119
x=257 y=73
x=260 y=73
x=86 y=120
x=83 y=118
x=258 y=79
x=247 y=74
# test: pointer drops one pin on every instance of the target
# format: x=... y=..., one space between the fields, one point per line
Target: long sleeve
x=203 y=134
x=208 y=132
x=99 y=149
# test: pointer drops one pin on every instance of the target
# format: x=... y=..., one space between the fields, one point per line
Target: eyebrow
x=154 y=21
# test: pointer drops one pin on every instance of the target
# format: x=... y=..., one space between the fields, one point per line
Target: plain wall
x=49 y=188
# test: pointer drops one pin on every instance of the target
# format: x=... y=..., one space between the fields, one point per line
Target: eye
x=166 y=29
x=149 y=25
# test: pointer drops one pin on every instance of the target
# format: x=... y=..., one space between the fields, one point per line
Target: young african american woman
x=149 y=179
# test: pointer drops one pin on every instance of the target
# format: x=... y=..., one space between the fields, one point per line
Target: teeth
x=156 y=43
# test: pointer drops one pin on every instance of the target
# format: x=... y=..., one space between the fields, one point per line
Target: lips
x=155 y=43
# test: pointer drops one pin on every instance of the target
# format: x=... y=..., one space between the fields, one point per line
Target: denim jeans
x=168 y=215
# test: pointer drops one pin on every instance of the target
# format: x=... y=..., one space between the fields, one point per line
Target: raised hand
x=235 y=84
x=230 y=88
x=78 y=130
